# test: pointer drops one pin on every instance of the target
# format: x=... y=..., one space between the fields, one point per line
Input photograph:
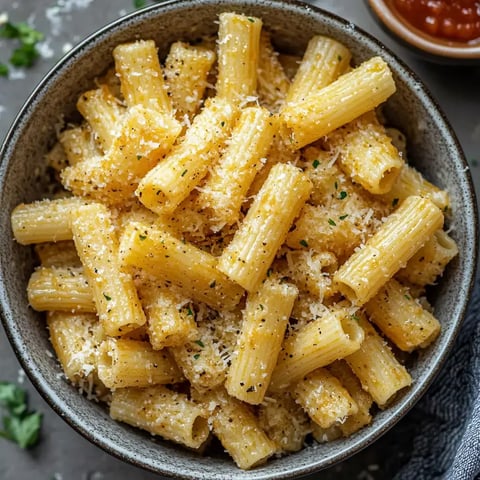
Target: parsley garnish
x=343 y=217
x=315 y=163
x=196 y=356
x=250 y=19
x=200 y=343
x=354 y=317
x=189 y=312
x=342 y=195
x=331 y=222
x=142 y=237
x=303 y=243
x=407 y=297
x=184 y=172
x=26 y=54
x=3 y=70
x=107 y=298
x=139 y=157
x=20 y=426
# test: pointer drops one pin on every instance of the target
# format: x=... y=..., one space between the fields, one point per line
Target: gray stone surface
x=64 y=454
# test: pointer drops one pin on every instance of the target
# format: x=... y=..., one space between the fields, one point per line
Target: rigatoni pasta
x=210 y=265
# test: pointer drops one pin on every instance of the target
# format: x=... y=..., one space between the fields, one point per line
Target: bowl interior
x=433 y=149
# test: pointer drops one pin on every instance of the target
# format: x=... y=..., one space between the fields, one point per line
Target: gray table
x=63 y=453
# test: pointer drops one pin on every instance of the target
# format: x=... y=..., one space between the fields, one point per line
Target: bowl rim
x=73 y=419
x=398 y=25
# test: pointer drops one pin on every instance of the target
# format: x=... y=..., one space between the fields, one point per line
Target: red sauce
x=457 y=20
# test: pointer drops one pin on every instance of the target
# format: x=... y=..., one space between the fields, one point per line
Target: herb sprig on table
x=20 y=425
x=26 y=53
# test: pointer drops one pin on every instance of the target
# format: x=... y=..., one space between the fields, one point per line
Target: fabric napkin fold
x=446 y=444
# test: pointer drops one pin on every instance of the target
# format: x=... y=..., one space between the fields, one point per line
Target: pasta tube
x=165 y=257
x=171 y=181
x=366 y=153
x=402 y=318
x=228 y=183
x=249 y=255
x=330 y=337
x=141 y=76
x=132 y=363
x=345 y=99
x=64 y=289
x=186 y=74
x=44 y=221
x=393 y=244
x=163 y=412
x=324 y=398
x=75 y=338
x=263 y=328
x=103 y=112
x=379 y=372
x=324 y=61
x=114 y=292
x=238 y=52
x=430 y=261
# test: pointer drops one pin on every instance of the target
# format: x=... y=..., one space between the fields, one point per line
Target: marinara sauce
x=457 y=20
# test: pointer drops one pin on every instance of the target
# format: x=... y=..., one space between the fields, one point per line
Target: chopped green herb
x=139 y=157
x=303 y=243
x=3 y=70
x=331 y=222
x=336 y=185
x=355 y=317
x=184 y=172
x=394 y=202
x=222 y=123
x=315 y=163
x=21 y=426
x=22 y=31
x=196 y=356
x=343 y=217
x=339 y=58
x=107 y=298
x=139 y=3
x=250 y=19
x=342 y=195
x=142 y=237
x=24 y=56
x=26 y=53
x=269 y=272
x=189 y=312
x=200 y=343
x=407 y=297
x=212 y=284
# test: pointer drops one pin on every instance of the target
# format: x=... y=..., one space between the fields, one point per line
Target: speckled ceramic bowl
x=433 y=148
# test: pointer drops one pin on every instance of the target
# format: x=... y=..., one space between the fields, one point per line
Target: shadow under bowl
x=434 y=150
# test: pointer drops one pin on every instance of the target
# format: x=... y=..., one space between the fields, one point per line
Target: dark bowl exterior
x=433 y=149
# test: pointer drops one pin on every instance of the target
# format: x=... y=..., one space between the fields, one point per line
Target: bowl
x=434 y=150
x=430 y=47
